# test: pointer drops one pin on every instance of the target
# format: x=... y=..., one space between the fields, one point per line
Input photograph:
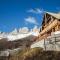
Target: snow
x=18 y=36
x=35 y=33
x=38 y=44
x=57 y=32
x=4 y=53
x=12 y=37
x=20 y=33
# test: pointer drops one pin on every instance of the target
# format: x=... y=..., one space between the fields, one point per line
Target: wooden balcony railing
x=44 y=36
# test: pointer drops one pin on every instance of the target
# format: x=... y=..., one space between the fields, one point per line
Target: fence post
x=55 y=43
x=44 y=45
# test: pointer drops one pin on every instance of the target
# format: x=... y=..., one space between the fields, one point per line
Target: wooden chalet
x=50 y=23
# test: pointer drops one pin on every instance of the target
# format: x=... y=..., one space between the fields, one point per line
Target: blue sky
x=24 y=13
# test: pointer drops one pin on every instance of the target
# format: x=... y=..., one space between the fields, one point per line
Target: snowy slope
x=12 y=37
x=20 y=36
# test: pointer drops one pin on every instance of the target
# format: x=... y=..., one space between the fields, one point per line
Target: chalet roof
x=56 y=15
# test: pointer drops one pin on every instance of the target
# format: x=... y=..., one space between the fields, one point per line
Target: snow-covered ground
x=38 y=44
x=9 y=51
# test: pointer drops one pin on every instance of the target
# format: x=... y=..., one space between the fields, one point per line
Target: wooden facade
x=50 y=23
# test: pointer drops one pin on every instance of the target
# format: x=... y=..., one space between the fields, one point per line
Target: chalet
x=50 y=23
x=49 y=36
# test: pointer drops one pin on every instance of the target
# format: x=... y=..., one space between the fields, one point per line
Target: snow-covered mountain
x=19 y=34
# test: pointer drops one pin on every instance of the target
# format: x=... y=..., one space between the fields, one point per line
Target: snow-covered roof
x=56 y=15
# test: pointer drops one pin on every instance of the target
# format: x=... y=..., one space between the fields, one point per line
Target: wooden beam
x=57 y=27
x=45 y=19
x=52 y=18
x=49 y=27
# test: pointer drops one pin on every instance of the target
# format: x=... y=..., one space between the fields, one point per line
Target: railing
x=54 y=43
x=44 y=36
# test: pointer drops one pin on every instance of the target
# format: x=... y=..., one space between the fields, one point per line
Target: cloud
x=31 y=20
x=36 y=11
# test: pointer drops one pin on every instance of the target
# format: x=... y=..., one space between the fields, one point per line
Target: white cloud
x=37 y=11
x=31 y=20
